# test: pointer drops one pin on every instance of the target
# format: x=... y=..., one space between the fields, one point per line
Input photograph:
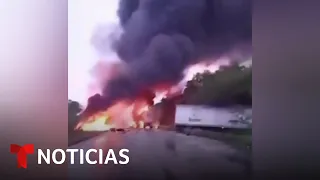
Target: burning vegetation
x=141 y=113
x=162 y=45
x=122 y=114
x=119 y=115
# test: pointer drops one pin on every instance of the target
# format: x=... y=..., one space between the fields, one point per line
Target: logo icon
x=22 y=152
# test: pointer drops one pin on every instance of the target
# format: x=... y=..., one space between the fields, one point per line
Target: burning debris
x=135 y=112
x=122 y=114
x=163 y=42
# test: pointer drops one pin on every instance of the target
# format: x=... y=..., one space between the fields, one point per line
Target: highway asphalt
x=163 y=155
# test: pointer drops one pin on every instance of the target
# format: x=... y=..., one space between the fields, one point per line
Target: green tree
x=74 y=109
x=229 y=85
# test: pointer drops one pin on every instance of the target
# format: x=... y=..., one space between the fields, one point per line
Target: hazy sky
x=83 y=17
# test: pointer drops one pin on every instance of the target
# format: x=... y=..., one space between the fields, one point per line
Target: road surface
x=162 y=155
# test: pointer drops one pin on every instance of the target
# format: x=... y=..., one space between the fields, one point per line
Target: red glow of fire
x=122 y=114
x=128 y=114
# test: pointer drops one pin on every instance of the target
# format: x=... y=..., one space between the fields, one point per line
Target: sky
x=83 y=17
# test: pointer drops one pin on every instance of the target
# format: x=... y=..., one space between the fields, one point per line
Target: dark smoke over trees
x=161 y=37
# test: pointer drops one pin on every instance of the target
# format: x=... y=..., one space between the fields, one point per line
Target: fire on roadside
x=120 y=115
x=128 y=114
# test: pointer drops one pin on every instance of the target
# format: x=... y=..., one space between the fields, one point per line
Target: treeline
x=74 y=109
x=230 y=85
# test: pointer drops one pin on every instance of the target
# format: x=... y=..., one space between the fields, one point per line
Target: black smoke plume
x=161 y=37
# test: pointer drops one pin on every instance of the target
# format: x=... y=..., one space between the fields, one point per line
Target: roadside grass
x=75 y=137
x=240 y=140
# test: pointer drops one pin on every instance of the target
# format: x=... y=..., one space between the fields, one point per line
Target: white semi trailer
x=207 y=117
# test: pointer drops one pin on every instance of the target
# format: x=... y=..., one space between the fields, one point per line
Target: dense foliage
x=74 y=109
x=230 y=85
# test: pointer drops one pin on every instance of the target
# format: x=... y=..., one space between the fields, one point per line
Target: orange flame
x=120 y=115
x=125 y=114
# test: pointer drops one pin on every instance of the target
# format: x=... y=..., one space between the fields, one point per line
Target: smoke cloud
x=161 y=38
